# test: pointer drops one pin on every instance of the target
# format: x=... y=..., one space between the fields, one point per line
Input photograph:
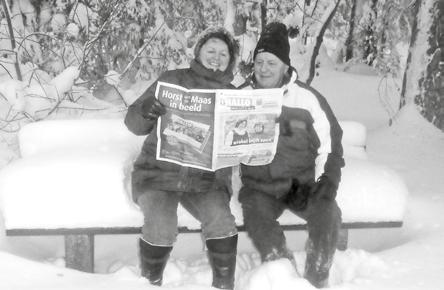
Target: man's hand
x=284 y=126
x=152 y=109
x=297 y=197
x=324 y=188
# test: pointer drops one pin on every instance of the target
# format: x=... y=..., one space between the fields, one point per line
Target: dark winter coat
x=150 y=173
x=309 y=143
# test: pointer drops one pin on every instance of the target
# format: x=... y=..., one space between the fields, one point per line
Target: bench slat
x=137 y=230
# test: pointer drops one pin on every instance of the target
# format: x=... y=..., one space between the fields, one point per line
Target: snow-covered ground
x=408 y=258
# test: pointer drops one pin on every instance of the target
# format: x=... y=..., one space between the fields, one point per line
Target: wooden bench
x=79 y=243
x=86 y=148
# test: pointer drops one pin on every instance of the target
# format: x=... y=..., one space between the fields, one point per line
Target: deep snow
x=99 y=153
x=408 y=258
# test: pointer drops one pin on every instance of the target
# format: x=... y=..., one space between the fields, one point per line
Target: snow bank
x=68 y=189
x=78 y=171
x=81 y=135
x=351 y=266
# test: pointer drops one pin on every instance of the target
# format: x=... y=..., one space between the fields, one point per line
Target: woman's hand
x=152 y=109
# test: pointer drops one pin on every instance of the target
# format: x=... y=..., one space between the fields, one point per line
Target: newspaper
x=212 y=129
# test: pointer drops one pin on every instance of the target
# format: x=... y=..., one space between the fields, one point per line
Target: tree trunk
x=12 y=38
x=329 y=13
x=423 y=82
x=349 y=43
x=263 y=14
x=370 y=48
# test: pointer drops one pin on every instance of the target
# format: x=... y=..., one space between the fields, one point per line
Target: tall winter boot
x=323 y=234
x=222 y=257
x=153 y=260
x=317 y=264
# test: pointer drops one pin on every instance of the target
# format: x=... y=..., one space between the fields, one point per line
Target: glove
x=284 y=126
x=324 y=188
x=297 y=197
x=152 y=109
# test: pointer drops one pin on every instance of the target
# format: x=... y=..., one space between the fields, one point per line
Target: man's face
x=269 y=70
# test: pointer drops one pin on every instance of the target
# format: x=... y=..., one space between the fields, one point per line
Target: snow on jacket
x=150 y=173
x=309 y=143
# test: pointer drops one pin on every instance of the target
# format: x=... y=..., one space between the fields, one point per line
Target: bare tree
x=328 y=16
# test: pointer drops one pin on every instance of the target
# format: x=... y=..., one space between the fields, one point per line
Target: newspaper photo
x=186 y=132
x=212 y=129
x=248 y=131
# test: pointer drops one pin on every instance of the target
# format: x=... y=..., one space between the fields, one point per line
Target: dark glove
x=297 y=197
x=284 y=126
x=324 y=188
x=152 y=109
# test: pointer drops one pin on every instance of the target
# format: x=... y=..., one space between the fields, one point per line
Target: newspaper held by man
x=212 y=129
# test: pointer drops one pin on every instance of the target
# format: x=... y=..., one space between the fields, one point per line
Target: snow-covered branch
x=139 y=52
x=88 y=45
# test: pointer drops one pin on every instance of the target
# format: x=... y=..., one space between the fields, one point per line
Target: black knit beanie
x=274 y=39
x=225 y=36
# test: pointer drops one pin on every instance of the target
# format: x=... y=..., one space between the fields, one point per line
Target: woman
x=159 y=186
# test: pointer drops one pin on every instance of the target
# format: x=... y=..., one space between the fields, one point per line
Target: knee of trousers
x=160 y=218
x=164 y=238
x=259 y=206
x=220 y=225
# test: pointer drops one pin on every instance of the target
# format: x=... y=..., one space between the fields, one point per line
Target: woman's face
x=214 y=54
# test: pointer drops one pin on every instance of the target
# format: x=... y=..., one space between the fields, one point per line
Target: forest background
x=112 y=50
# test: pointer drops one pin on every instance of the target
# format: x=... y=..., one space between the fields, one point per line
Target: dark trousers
x=211 y=208
x=261 y=211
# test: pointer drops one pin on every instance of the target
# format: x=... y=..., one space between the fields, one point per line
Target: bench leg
x=79 y=252
x=342 y=240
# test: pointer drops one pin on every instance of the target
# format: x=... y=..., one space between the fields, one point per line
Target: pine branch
x=89 y=44
x=139 y=52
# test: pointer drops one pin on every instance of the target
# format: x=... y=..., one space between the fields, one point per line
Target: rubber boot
x=153 y=260
x=222 y=257
x=323 y=234
x=317 y=265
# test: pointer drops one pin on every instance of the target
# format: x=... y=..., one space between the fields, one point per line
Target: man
x=306 y=170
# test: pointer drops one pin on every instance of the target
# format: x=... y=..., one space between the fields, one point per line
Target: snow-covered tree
x=311 y=19
x=349 y=42
x=423 y=82
x=383 y=25
x=368 y=24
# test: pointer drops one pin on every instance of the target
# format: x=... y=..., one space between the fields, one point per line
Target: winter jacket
x=309 y=143
x=150 y=173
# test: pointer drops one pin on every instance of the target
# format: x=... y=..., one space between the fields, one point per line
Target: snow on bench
x=73 y=179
